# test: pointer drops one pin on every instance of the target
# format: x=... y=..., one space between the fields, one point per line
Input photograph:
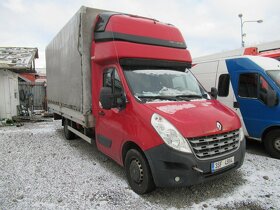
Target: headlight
x=169 y=134
x=241 y=134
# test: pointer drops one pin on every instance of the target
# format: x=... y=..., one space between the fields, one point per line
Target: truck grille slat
x=215 y=145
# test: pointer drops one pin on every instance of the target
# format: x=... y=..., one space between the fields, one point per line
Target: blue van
x=250 y=85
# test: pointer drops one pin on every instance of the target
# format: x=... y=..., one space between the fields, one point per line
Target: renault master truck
x=120 y=81
x=250 y=85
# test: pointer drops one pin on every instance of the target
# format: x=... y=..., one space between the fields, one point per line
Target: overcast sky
x=208 y=26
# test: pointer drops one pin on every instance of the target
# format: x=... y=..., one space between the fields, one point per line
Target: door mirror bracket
x=214 y=92
x=109 y=100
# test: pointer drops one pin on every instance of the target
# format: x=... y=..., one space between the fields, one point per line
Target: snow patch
x=171 y=109
x=206 y=104
x=45 y=171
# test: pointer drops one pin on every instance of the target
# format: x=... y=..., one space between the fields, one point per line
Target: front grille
x=215 y=145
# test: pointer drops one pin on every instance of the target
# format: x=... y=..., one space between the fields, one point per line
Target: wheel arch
x=267 y=130
x=130 y=145
x=147 y=183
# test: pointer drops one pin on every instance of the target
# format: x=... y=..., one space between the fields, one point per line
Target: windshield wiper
x=170 y=98
x=173 y=98
x=189 y=97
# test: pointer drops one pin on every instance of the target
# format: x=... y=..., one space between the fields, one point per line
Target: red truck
x=119 y=80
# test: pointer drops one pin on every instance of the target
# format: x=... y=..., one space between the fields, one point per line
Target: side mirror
x=214 y=92
x=109 y=100
x=106 y=98
x=271 y=98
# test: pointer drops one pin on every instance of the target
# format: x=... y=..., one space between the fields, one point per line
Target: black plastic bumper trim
x=141 y=63
x=166 y=164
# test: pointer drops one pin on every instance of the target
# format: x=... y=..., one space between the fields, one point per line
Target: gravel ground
x=40 y=169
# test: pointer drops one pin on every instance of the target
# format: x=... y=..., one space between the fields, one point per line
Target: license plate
x=215 y=166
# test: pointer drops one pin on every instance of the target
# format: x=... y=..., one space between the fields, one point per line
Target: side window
x=107 y=78
x=112 y=80
x=117 y=83
x=253 y=85
x=223 y=85
x=263 y=90
x=248 y=85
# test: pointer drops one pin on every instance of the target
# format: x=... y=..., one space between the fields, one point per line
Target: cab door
x=110 y=123
x=252 y=93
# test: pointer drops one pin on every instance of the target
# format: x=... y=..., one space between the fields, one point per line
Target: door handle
x=101 y=113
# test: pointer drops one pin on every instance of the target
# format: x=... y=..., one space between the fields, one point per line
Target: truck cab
x=249 y=85
x=152 y=116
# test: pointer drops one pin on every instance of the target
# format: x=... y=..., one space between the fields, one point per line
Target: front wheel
x=138 y=172
x=272 y=143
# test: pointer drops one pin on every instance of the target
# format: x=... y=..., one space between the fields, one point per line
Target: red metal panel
x=112 y=51
x=271 y=54
x=143 y=27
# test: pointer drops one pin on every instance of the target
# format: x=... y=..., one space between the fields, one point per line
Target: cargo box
x=68 y=68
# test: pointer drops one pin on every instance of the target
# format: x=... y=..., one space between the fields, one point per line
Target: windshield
x=152 y=84
x=275 y=75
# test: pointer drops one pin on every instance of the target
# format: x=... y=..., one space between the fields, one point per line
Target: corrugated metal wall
x=33 y=95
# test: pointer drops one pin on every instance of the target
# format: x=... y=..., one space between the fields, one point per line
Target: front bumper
x=166 y=164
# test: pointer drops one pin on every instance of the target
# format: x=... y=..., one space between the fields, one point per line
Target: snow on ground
x=40 y=169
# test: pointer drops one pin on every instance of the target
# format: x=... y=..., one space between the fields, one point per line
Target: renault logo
x=219 y=126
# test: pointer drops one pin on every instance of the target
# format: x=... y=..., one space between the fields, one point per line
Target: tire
x=67 y=133
x=272 y=143
x=138 y=172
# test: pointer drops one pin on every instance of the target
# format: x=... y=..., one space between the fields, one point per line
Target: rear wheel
x=138 y=172
x=272 y=143
x=67 y=133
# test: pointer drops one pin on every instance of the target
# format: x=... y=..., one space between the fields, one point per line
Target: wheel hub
x=136 y=171
x=277 y=144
